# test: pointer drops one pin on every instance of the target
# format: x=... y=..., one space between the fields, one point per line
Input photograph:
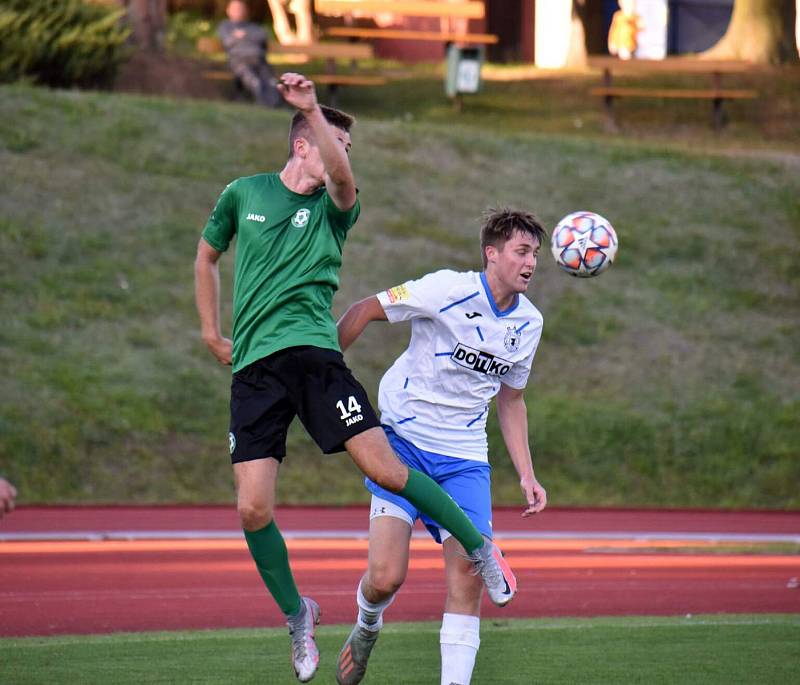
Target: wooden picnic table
x=714 y=69
x=467 y=9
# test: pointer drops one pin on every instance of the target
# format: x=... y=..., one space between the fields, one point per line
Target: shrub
x=60 y=43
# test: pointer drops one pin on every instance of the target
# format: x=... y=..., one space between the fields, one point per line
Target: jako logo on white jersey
x=257 y=217
x=476 y=360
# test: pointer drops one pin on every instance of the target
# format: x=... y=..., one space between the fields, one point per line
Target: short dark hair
x=301 y=129
x=499 y=225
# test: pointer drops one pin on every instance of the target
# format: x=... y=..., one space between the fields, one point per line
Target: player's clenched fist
x=298 y=91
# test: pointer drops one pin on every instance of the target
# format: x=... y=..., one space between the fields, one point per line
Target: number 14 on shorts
x=351 y=413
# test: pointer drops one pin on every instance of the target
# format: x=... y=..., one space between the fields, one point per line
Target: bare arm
x=206 y=295
x=333 y=144
x=8 y=494
x=513 y=417
x=356 y=318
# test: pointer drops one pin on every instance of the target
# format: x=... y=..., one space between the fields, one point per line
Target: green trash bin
x=463 y=70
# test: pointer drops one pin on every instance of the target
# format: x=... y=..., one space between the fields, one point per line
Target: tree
x=760 y=31
x=797 y=27
x=586 y=34
x=577 y=54
x=148 y=20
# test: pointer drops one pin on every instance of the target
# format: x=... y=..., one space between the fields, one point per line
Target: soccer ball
x=584 y=244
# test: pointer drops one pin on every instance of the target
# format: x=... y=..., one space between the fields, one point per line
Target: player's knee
x=392 y=477
x=254 y=516
x=386 y=580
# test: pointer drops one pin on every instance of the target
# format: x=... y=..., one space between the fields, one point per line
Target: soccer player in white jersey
x=473 y=337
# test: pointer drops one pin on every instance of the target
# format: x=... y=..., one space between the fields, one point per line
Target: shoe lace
x=485 y=567
x=299 y=634
x=299 y=643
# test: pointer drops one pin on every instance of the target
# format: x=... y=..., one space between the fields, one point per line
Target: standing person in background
x=624 y=30
x=473 y=337
x=8 y=494
x=245 y=43
x=290 y=229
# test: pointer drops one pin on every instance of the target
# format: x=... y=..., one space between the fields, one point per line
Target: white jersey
x=462 y=347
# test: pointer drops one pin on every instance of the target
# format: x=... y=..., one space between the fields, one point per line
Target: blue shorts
x=467 y=481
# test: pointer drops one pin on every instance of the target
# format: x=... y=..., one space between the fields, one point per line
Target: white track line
x=605 y=623
x=363 y=535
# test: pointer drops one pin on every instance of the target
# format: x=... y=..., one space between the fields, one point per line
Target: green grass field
x=670 y=380
x=707 y=650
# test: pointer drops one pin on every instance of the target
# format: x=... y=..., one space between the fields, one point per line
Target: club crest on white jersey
x=511 y=341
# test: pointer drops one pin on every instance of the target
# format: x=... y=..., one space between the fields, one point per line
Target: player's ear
x=491 y=254
x=300 y=147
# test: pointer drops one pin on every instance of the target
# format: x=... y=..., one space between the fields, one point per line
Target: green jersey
x=288 y=255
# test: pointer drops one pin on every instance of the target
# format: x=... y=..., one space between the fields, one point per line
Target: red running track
x=105 y=569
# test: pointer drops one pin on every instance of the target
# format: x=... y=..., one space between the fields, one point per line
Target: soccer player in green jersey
x=290 y=229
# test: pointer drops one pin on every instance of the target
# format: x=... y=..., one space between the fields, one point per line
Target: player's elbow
x=344 y=198
x=361 y=309
x=366 y=310
x=510 y=403
x=206 y=255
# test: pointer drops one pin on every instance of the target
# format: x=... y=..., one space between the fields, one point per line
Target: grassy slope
x=673 y=379
x=703 y=649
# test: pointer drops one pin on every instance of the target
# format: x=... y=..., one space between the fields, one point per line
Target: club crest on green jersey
x=300 y=219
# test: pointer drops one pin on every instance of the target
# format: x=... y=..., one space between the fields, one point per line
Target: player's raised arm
x=513 y=418
x=356 y=318
x=333 y=143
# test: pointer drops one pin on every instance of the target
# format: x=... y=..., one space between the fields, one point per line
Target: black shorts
x=310 y=382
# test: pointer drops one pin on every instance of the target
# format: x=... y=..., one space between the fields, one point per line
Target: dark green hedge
x=60 y=43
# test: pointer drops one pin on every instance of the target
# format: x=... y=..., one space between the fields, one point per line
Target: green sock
x=430 y=499
x=268 y=549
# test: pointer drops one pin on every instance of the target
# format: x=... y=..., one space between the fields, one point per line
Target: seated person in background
x=245 y=43
x=8 y=494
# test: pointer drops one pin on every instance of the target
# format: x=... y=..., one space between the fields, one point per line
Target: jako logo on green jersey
x=300 y=219
x=256 y=217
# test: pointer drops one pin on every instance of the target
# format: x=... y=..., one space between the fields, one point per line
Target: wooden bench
x=716 y=94
x=335 y=81
x=332 y=81
x=327 y=51
x=469 y=9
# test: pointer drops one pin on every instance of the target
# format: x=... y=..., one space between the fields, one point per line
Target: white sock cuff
x=460 y=629
x=367 y=611
x=372 y=607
